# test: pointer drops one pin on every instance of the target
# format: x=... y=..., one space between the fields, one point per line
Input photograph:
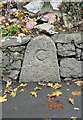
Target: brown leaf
x=76 y=93
x=55 y=93
x=79 y=83
x=53 y=104
x=72 y=101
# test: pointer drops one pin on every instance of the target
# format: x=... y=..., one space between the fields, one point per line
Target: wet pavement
x=26 y=106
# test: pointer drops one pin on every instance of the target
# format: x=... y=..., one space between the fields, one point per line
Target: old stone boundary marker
x=40 y=61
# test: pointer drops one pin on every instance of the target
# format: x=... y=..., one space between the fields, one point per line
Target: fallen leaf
x=76 y=93
x=8 y=83
x=55 y=93
x=53 y=104
x=23 y=85
x=33 y=93
x=37 y=88
x=7 y=90
x=14 y=92
x=41 y=84
x=79 y=83
x=72 y=101
x=22 y=90
x=50 y=85
x=20 y=15
x=56 y=86
x=73 y=118
x=3 y=98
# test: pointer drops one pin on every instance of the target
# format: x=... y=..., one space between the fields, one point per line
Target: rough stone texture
x=34 y=6
x=67 y=38
x=13 y=41
x=78 y=54
x=66 y=49
x=70 y=67
x=46 y=28
x=82 y=54
x=40 y=62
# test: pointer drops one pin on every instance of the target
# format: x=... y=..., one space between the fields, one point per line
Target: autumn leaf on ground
x=55 y=93
x=23 y=85
x=8 y=83
x=14 y=93
x=33 y=93
x=79 y=83
x=42 y=84
x=72 y=101
x=53 y=104
x=56 y=86
x=22 y=90
x=76 y=93
x=37 y=88
x=7 y=90
x=73 y=118
x=3 y=98
x=50 y=85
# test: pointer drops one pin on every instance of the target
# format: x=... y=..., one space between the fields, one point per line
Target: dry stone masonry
x=42 y=58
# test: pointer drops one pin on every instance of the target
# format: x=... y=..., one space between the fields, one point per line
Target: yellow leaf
x=23 y=85
x=50 y=85
x=22 y=90
x=73 y=118
x=37 y=88
x=76 y=93
x=8 y=83
x=33 y=93
x=14 y=93
x=55 y=93
x=3 y=98
x=72 y=101
x=42 y=84
x=8 y=90
x=56 y=86
x=79 y=83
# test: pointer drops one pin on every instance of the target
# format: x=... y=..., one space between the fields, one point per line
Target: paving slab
x=34 y=107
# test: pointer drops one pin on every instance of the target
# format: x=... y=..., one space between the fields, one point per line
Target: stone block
x=40 y=61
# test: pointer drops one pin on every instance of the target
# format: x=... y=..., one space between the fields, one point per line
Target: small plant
x=9 y=30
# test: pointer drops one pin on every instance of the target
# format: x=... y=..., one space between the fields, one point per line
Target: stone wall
x=69 y=51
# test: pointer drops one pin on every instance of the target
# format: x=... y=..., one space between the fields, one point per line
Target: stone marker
x=40 y=61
